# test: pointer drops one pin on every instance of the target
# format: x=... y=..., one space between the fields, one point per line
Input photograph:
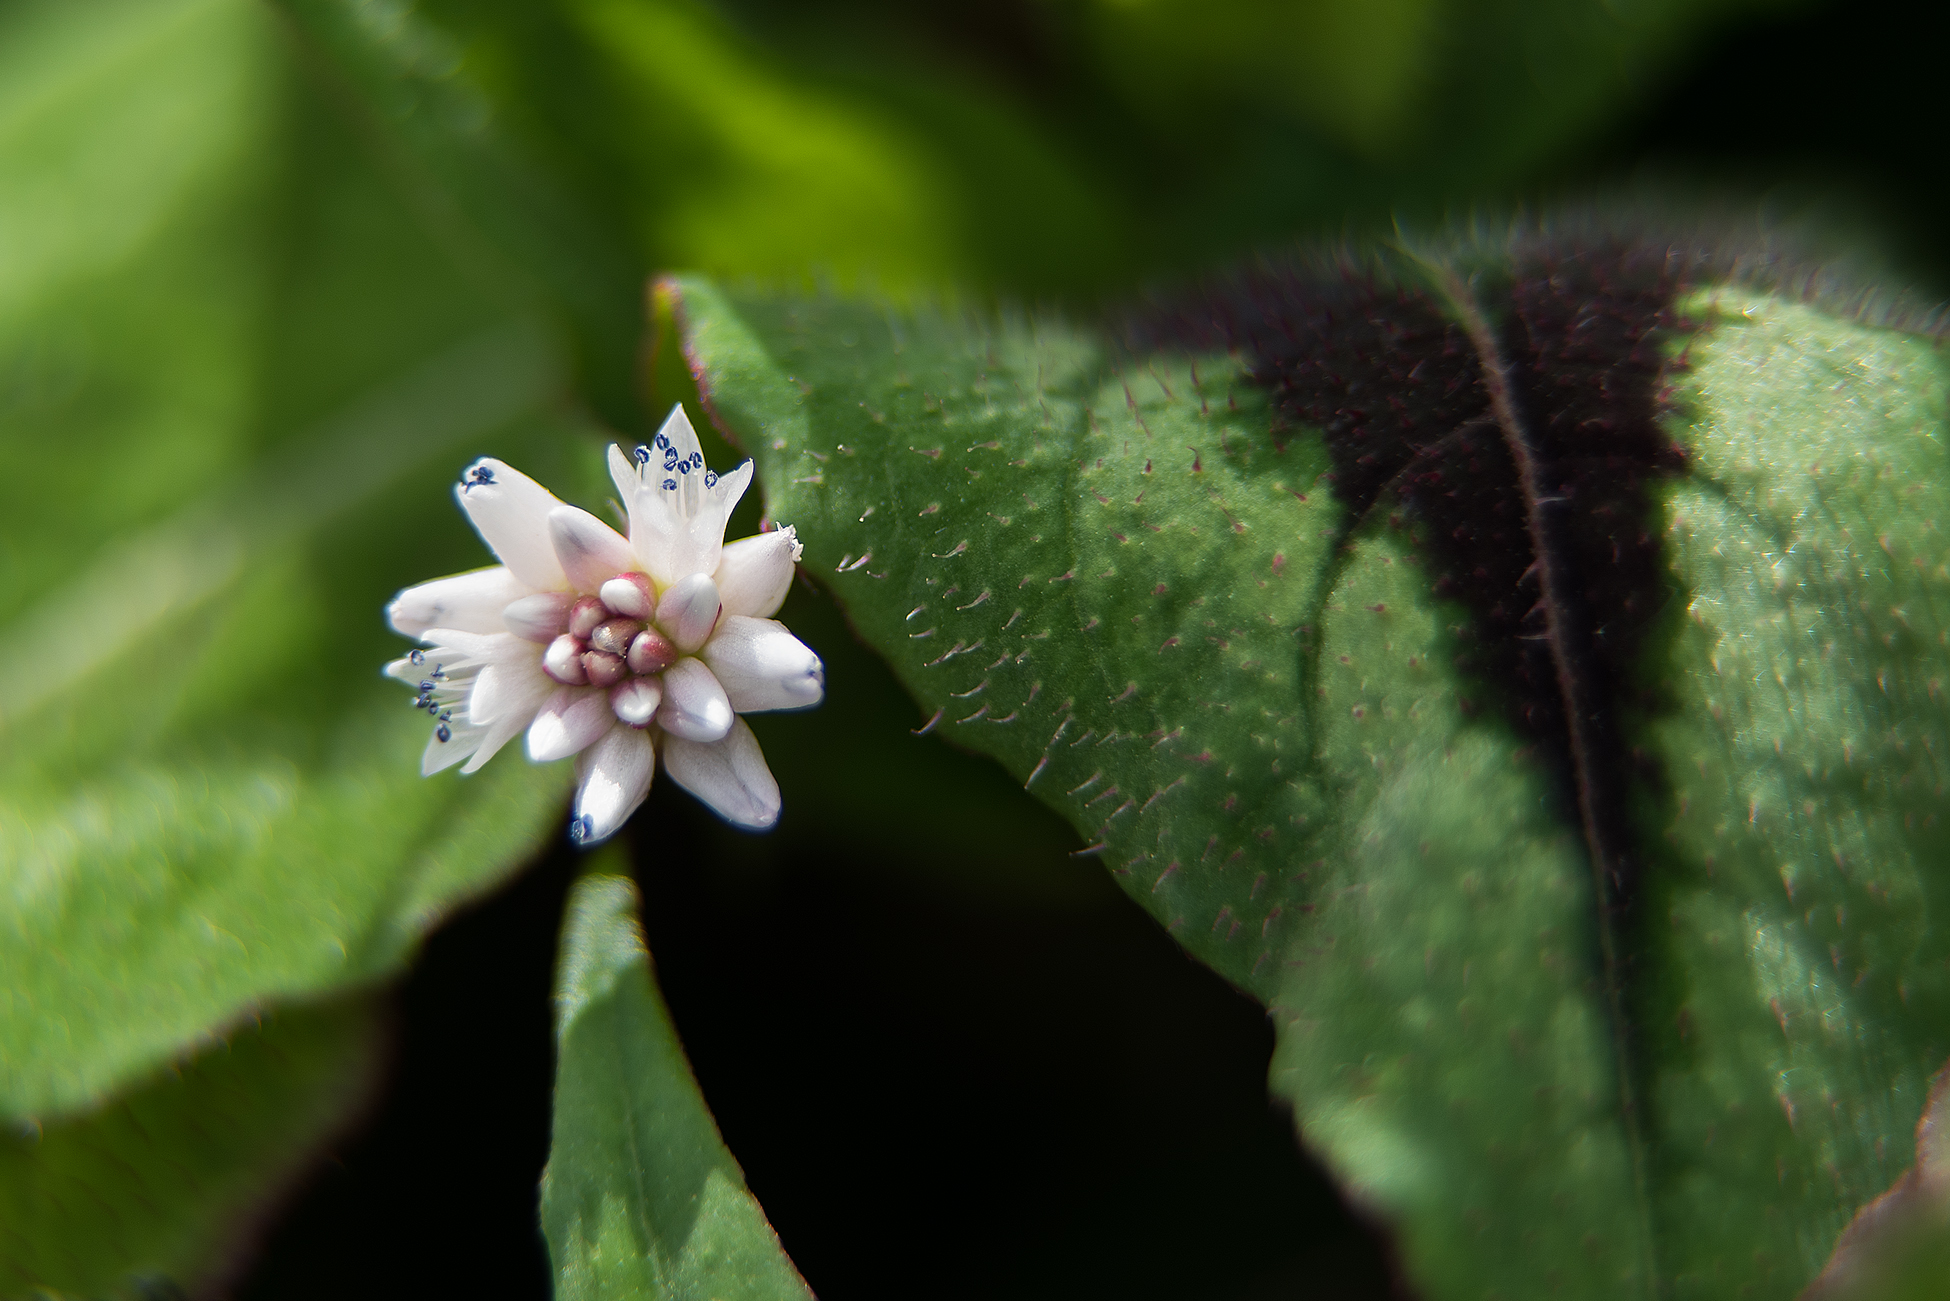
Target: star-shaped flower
x=615 y=650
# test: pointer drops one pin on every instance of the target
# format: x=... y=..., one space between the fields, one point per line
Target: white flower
x=614 y=649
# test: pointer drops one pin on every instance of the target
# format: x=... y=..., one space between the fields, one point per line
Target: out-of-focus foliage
x=163 y=1182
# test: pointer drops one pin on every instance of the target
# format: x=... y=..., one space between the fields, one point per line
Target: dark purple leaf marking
x=1486 y=418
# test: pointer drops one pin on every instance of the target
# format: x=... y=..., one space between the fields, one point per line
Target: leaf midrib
x=1575 y=691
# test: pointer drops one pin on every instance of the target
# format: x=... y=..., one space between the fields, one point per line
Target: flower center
x=622 y=639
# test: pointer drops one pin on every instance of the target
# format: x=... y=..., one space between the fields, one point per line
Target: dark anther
x=477 y=477
x=444 y=732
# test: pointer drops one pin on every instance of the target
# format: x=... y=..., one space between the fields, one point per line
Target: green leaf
x=1898 y=1247
x=235 y=393
x=1650 y=1002
x=640 y=1198
x=162 y=1187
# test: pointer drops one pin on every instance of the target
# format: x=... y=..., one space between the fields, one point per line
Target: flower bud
x=584 y=615
x=651 y=652
x=615 y=635
x=630 y=595
x=563 y=661
x=635 y=701
x=604 y=669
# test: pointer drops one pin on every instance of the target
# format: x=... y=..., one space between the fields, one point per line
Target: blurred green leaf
x=640 y=1198
x=1099 y=567
x=1445 y=85
x=162 y=1188
x=235 y=388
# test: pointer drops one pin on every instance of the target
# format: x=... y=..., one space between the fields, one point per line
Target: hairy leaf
x=640 y=1198
x=1520 y=668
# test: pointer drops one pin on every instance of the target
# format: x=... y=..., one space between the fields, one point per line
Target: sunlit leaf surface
x=640 y=1198
x=1281 y=599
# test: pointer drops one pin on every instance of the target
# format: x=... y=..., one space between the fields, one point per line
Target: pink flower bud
x=630 y=595
x=584 y=615
x=563 y=661
x=615 y=635
x=651 y=652
x=635 y=701
x=604 y=669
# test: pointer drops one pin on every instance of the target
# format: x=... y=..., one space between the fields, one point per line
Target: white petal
x=471 y=602
x=458 y=646
x=695 y=706
x=689 y=611
x=591 y=551
x=623 y=473
x=413 y=671
x=570 y=721
x=755 y=573
x=510 y=512
x=461 y=743
x=497 y=734
x=510 y=684
x=729 y=775
x=613 y=776
x=762 y=666
x=699 y=547
x=542 y=617
x=677 y=507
